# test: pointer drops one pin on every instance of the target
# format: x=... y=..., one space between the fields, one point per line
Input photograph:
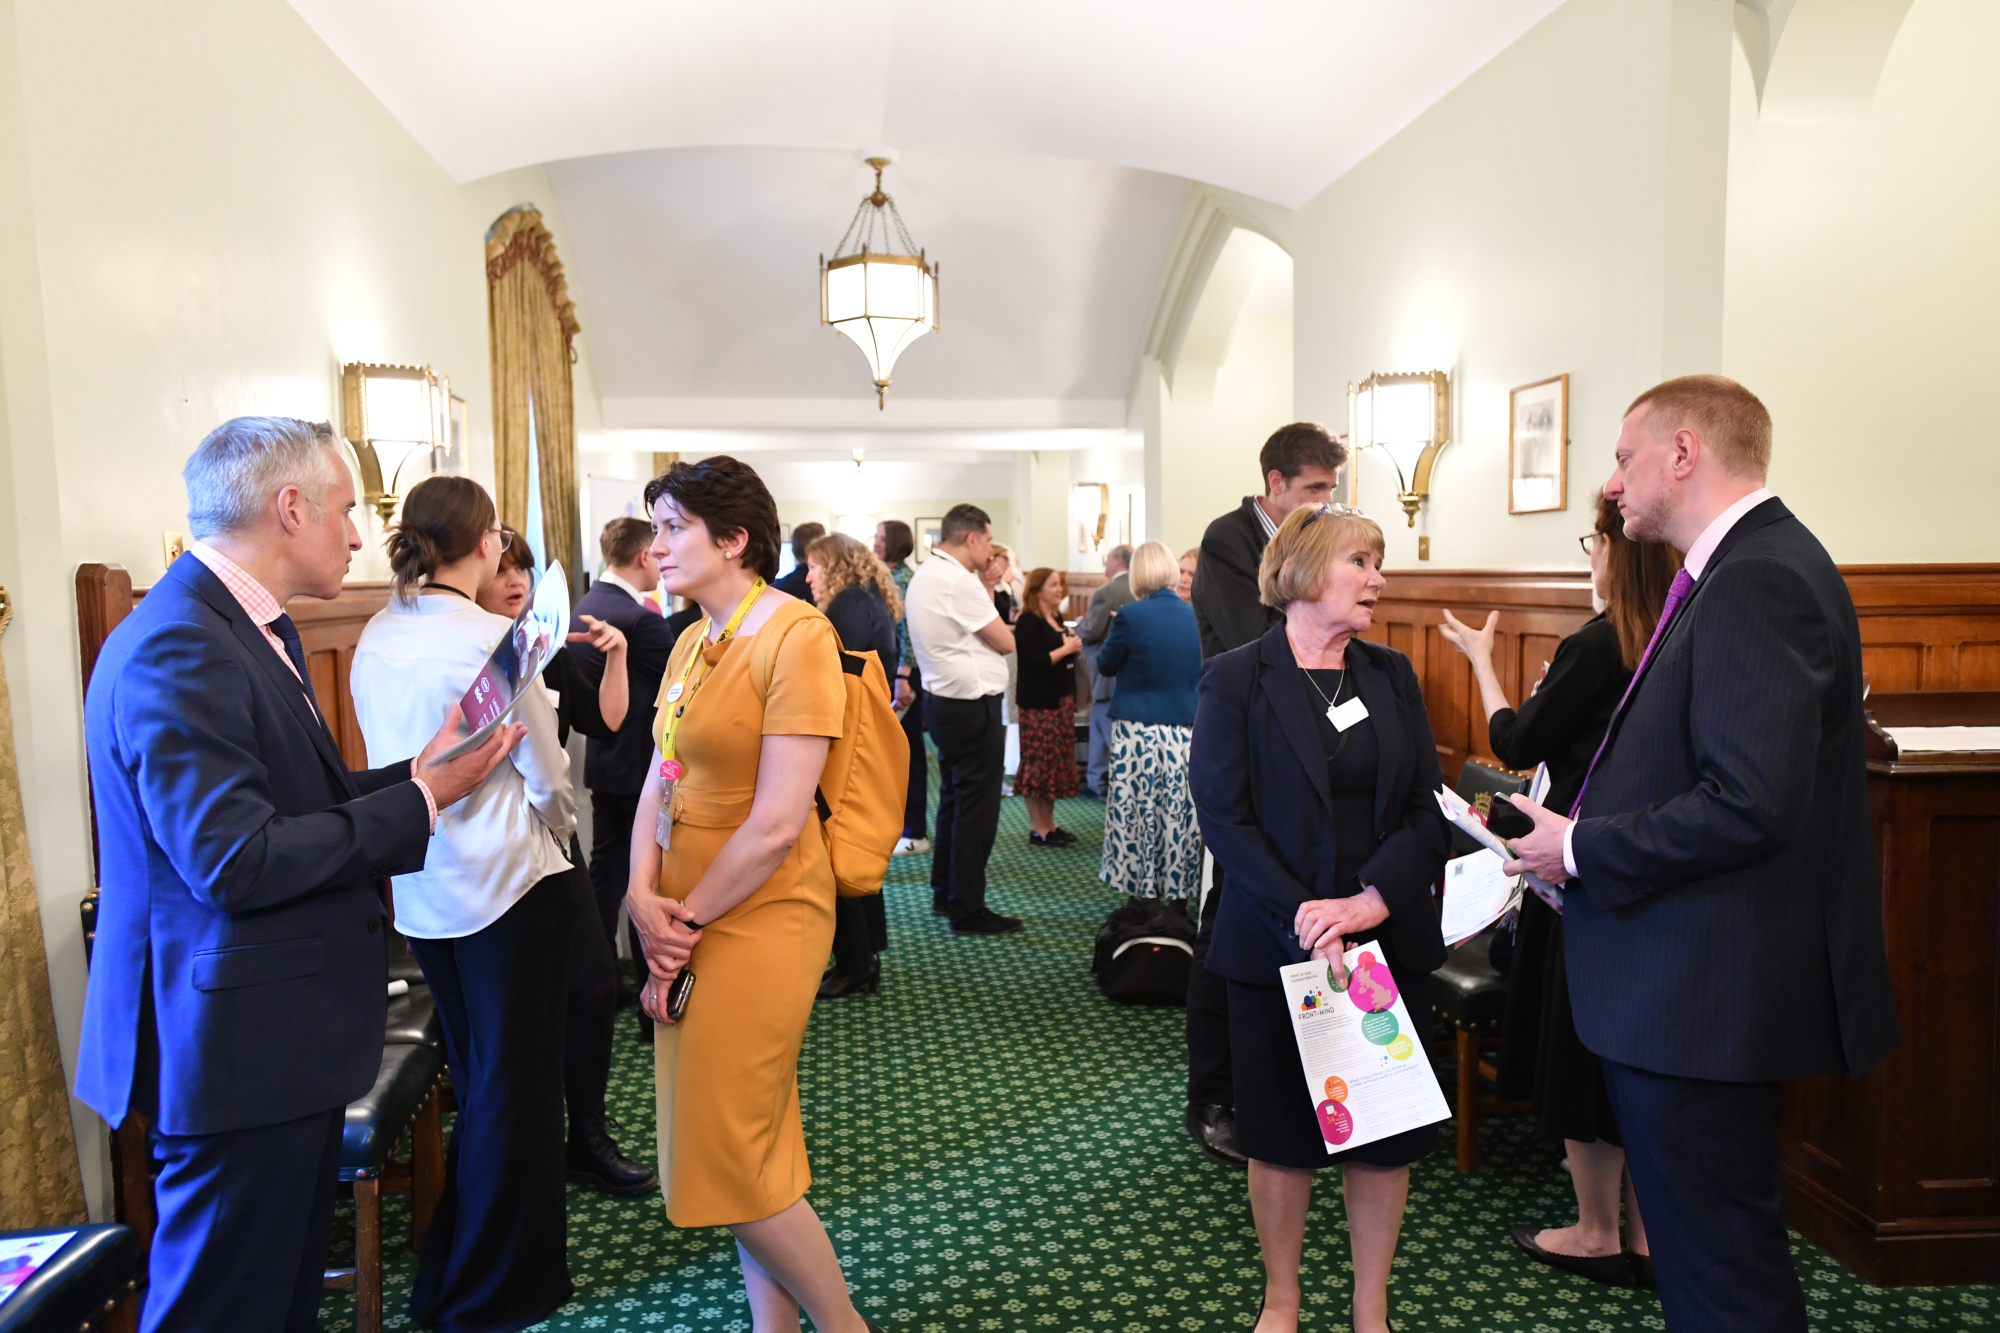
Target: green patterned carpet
x=997 y=1147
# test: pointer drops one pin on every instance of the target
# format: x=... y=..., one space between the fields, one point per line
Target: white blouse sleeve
x=544 y=766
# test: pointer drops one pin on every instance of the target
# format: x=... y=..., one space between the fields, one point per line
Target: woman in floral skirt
x=1046 y=697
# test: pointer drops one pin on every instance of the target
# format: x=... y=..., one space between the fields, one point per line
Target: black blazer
x=617 y=766
x=1227 y=611
x=1727 y=923
x=1258 y=774
x=862 y=620
x=1042 y=683
x=1562 y=723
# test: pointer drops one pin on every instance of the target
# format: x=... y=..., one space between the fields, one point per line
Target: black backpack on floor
x=1144 y=952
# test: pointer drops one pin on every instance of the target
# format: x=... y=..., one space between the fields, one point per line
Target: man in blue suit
x=237 y=988
x=1723 y=914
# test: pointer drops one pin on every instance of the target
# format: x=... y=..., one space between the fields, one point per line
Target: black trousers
x=593 y=999
x=495 y=1259
x=244 y=1221
x=1211 y=1081
x=972 y=750
x=1704 y=1162
x=611 y=816
x=860 y=931
x=917 y=802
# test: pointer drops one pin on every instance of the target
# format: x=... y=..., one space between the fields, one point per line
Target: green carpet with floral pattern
x=996 y=1147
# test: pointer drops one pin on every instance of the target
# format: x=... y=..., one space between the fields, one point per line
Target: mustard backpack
x=866 y=779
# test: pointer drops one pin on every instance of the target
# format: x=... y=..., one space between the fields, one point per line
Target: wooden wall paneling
x=1928 y=627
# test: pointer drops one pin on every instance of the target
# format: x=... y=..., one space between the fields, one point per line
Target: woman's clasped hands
x=667 y=936
x=1323 y=924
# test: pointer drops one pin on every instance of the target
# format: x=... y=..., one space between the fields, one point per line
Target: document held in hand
x=1364 y=1059
x=1460 y=814
x=540 y=629
x=1477 y=892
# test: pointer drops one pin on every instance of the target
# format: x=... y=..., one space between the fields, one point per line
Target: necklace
x=446 y=587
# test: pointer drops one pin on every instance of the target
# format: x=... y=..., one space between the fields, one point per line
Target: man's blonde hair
x=1153 y=568
x=1729 y=418
x=1301 y=555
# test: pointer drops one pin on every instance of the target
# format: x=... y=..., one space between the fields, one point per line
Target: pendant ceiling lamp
x=878 y=289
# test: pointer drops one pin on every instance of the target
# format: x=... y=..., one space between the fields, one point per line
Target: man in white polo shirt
x=961 y=645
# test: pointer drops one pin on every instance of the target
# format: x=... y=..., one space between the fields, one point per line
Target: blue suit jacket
x=617 y=766
x=238 y=977
x=1154 y=650
x=1727 y=920
x=1258 y=774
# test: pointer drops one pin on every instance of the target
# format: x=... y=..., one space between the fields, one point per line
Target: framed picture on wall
x=1538 y=446
x=929 y=532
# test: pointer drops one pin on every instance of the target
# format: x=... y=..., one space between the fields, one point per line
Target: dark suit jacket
x=239 y=867
x=1226 y=608
x=862 y=620
x=1727 y=923
x=1258 y=774
x=617 y=766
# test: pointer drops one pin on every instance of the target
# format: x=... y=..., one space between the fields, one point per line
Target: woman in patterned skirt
x=1046 y=697
x=1152 y=847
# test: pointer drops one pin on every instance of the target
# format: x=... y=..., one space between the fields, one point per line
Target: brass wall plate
x=1423 y=548
x=172 y=544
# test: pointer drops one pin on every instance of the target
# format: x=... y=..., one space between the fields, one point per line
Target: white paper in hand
x=1477 y=892
x=1461 y=816
x=1364 y=1062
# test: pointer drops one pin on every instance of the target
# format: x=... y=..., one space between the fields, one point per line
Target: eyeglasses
x=506 y=538
x=1330 y=507
x=1589 y=542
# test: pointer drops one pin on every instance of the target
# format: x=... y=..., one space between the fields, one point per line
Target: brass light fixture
x=403 y=409
x=1090 y=508
x=878 y=289
x=1407 y=416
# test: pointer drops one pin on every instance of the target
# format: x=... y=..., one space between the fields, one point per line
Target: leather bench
x=403 y=1101
x=75 y=1289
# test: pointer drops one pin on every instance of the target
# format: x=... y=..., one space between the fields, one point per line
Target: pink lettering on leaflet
x=1372 y=988
x=1336 y=1124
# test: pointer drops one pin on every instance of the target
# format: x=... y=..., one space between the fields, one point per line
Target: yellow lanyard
x=681 y=692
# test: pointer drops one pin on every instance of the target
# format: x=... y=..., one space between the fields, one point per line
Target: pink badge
x=671 y=770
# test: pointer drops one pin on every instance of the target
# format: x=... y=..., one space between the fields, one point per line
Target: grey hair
x=234 y=473
x=1122 y=554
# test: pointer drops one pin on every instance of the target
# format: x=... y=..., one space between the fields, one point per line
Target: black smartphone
x=677 y=995
x=1505 y=820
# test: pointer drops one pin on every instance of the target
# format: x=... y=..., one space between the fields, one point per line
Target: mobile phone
x=1505 y=820
x=677 y=995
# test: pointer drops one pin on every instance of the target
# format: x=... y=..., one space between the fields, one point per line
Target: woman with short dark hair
x=894 y=544
x=1330 y=835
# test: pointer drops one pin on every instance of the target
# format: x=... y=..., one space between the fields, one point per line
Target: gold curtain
x=41 y=1183
x=532 y=326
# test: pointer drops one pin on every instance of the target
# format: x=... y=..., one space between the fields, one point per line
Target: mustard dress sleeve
x=732 y=1143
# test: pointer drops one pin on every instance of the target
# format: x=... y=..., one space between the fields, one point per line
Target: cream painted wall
x=1863 y=282
x=1209 y=441
x=208 y=214
x=1559 y=211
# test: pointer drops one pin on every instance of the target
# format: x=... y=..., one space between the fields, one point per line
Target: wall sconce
x=1406 y=415
x=1090 y=507
x=403 y=408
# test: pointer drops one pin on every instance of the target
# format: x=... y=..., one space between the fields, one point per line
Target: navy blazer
x=1154 y=650
x=240 y=864
x=862 y=620
x=618 y=766
x=1727 y=919
x=1258 y=774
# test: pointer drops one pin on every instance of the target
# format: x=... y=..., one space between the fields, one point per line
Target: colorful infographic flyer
x=20 y=1256
x=1364 y=1062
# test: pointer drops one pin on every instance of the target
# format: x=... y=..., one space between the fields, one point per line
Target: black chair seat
x=377 y=1120
x=403 y=964
x=414 y=1021
x=77 y=1285
x=1476 y=781
x=1467 y=992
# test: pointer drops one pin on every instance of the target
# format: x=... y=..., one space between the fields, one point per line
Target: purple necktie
x=1683 y=585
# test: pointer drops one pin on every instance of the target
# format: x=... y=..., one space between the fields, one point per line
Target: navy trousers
x=1704 y=1163
x=244 y=1220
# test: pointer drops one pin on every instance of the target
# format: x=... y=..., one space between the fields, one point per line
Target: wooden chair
x=403 y=1102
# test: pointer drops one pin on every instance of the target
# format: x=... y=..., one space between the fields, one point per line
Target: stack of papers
x=1948 y=740
x=1476 y=894
x=1460 y=814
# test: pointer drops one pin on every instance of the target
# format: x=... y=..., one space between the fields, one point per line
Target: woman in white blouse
x=487 y=918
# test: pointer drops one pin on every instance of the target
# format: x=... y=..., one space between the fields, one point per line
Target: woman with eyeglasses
x=487 y=917
x=1561 y=724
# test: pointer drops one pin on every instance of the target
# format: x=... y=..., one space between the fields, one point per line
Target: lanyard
x=681 y=692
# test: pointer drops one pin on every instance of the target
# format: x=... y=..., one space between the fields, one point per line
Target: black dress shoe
x=1642 y=1272
x=1613 y=1270
x=1214 y=1129
x=593 y=1161
x=987 y=922
x=939 y=907
x=836 y=984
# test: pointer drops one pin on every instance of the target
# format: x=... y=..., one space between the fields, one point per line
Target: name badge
x=1346 y=715
x=674 y=693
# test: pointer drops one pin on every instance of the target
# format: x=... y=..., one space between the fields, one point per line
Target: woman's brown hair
x=897 y=540
x=442 y=522
x=847 y=562
x=1637 y=576
x=728 y=497
x=1031 y=596
x=516 y=555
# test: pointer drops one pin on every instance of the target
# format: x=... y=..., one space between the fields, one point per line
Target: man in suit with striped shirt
x=1722 y=908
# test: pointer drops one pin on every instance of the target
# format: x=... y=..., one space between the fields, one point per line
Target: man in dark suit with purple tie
x=238 y=986
x=1723 y=920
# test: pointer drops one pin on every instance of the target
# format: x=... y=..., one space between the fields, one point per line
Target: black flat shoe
x=834 y=984
x=1642 y=1272
x=1213 y=1128
x=1613 y=1270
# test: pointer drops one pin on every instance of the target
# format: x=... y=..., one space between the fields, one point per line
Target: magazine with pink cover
x=518 y=661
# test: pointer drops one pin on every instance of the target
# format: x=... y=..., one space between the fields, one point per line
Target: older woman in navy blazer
x=1322 y=815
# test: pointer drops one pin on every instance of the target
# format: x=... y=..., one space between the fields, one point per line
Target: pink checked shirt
x=258 y=603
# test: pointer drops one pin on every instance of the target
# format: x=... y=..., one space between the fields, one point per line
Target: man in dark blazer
x=238 y=983
x=1723 y=913
x=1300 y=463
x=615 y=769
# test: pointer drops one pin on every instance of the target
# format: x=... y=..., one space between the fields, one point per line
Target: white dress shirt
x=1698 y=556
x=415 y=659
x=945 y=609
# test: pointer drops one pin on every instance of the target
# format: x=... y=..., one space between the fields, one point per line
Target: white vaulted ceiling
x=1275 y=98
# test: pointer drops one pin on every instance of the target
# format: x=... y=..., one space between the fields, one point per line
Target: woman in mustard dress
x=741 y=894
